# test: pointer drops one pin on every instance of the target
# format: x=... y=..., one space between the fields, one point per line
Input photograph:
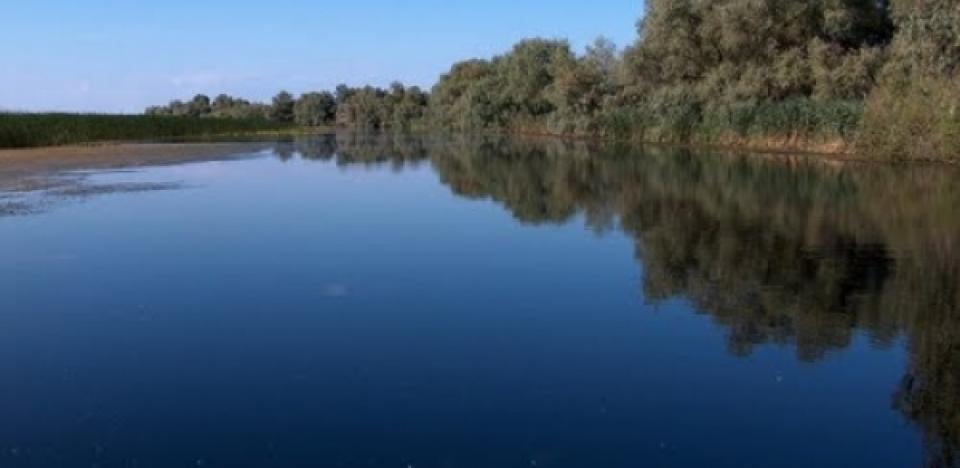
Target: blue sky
x=120 y=56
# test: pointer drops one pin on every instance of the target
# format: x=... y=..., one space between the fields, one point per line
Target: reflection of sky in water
x=299 y=313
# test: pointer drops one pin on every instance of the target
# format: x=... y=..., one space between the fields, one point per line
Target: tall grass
x=32 y=130
x=792 y=117
x=686 y=119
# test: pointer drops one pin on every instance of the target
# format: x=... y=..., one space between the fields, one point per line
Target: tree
x=739 y=50
x=179 y=108
x=527 y=73
x=342 y=93
x=714 y=70
x=467 y=97
x=200 y=105
x=222 y=104
x=602 y=57
x=913 y=113
x=928 y=38
x=364 y=108
x=411 y=106
x=315 y=109
x=282 y=108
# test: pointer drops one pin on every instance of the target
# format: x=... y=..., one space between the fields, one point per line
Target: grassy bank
x=34 y=130
x=920 y=123
x=795 y=125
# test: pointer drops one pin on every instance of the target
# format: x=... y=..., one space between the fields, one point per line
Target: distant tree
x=713 y=69
x=222 y=104
x=602 y=56
x=375 y=108
x=157 y=110
x=179 y=108
x=282 y=108
x=580 y=87
x=342 y=93
x=364 y=108
x=409 y=108
x=469 y=96
x=527 y=73
x=315 y=109
x=199 y=105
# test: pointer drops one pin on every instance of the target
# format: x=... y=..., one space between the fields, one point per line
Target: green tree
x=315 y=109
x=527 y=73
x=282 y=108
x=200 y=105
x=927 y=42
x=409 y=107
x=467 y=97
x=914 y=113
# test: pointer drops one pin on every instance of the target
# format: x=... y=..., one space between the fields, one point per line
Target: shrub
x=919 y=120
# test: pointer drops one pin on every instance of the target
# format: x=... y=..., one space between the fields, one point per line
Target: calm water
x=431 y=302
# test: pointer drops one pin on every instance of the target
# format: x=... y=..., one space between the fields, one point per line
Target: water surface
x=368 y=301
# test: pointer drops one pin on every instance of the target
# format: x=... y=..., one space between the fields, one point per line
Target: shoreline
x=115 y=155
x=127 y=153
x=826 y=149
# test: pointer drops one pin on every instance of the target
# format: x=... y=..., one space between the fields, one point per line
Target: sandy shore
x=38 y=160
x=33 y=179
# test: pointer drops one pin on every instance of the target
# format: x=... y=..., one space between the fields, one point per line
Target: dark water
x=452 y=302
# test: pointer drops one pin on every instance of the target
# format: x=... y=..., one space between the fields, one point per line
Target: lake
x=431 y=301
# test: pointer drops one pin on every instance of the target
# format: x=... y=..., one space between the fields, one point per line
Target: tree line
x=370 y=107
x=880 y=76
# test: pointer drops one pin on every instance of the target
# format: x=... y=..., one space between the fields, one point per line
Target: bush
x=671 y=114
x=918 y=120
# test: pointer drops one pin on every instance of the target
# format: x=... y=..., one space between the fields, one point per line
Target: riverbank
x=851 y=148
x=59 y=173
x=114 y=155
x=160 y=150
x=45 y=130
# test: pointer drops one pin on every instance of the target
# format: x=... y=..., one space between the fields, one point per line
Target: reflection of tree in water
x=316 y=147
x=930 y=391
x=786 y=252
x=363 y=148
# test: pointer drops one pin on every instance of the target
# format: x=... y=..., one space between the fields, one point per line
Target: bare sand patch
x=35 y=178
x=65 y=158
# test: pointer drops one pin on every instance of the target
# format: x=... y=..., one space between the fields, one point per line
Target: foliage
x=376 y=108
x=878 y=72
x=315 y=109
x=221 y=106
x=928 y=39
x=913 y=113
x=698 y=70
x=706 y=70
x=282 y=108
x=467 y=97
x=919 y=121
x=737 y=50
x=367 y=107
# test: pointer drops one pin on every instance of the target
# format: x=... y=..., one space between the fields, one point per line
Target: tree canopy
x=881 y=74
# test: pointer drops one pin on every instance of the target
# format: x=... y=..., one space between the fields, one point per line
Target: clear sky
x=122 y=55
